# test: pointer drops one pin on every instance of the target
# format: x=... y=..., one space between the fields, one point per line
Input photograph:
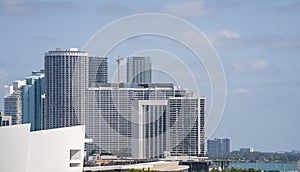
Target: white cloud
x=250 y=66
x=240 y=91
x=259 y=64
x=228 y=34
x=186 y=9
x=14 y=7
x=223 y=37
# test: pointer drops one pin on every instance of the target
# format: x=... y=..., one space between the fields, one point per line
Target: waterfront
x=283 y=167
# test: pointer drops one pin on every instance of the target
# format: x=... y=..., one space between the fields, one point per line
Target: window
x=75 y=154
x=74 y=164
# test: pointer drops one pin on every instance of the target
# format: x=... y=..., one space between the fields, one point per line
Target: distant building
x=295 y=151
x=31 y=100
x=110 y=108
x=139 y=120
x=8 y=90
x=298 y=166
x=18 y=84
x=66 y=84
x=13 y=101
x=43 y=111
x=139 y=70
x=149 y=130
x=218 y=145
x=186 y=118
x=98 y=70
x=246 y=150
x=5 y=120
x=48 y=150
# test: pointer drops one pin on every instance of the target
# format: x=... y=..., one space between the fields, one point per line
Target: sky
x=258 y=43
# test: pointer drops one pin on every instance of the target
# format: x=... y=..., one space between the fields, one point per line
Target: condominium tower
x=138 y=120
x=218 y=145
x=66 y=83
x=32 y=93
x=97 y=70
x=13 y=101
x=139 y=70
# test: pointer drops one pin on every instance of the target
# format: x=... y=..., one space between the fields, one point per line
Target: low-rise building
x=246 y=150
x=5 y=120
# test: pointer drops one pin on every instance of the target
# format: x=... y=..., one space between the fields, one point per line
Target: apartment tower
x=66 y=83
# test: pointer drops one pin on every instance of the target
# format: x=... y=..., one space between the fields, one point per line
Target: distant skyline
x=258 y=43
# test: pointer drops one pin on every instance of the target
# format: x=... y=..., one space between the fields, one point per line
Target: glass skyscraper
x=98 y=71
x=139 y=70
x=218 y=145
x=31 y=100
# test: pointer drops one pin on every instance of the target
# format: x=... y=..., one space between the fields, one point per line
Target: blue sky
x=258 y=43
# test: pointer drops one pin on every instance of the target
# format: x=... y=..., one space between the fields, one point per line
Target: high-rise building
x=139 y=70
x=218 y=145
x=187 y=126
x=66 y=83
x=133 y=120
x=149 y=131
x=98 y=70
x=13 y=101
x=31 y=100
x=110 y=107
x=43 y=111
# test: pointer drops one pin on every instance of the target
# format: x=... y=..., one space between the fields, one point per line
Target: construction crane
x=119 y=59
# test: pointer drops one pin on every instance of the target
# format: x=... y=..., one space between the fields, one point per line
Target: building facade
x=98 y=70
x=59 y=149
x=218 y=145
x=246 y=150
x=31 y=100
x=187 y=126
x=13 y=102
x=139 y=70
x=66 y=83
x=135 y=120
x=5 y=120
x=110 y=107
x=149 y=131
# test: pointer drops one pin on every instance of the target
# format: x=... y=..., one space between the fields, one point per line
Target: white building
x=5 y=120
x=66 y=83
x=59 y=149
x=110 y=107
x=187 y=126
x=149 y=131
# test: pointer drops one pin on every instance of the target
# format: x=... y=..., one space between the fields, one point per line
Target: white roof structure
x=155 y=166
x=60 y=149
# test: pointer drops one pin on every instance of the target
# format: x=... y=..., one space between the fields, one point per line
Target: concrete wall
x=47 y=150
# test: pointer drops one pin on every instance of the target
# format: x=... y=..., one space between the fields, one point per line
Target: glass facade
x=31 y=100
x=139 y=70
